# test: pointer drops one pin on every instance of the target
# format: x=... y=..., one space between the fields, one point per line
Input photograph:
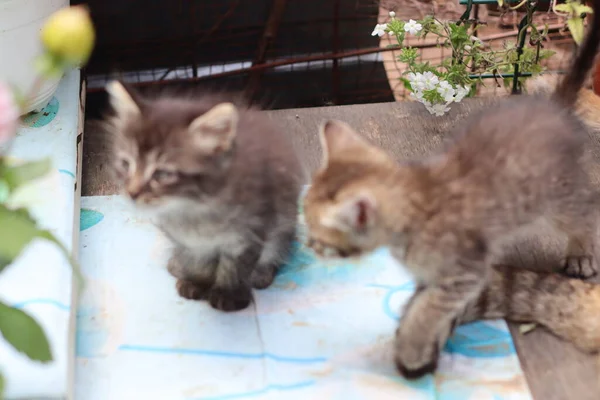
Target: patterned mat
x=320 y=332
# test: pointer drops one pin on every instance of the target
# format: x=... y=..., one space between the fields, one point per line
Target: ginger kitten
x=220 y=180
x=442 y=216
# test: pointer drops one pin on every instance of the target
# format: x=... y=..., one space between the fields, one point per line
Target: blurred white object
x=20 y=25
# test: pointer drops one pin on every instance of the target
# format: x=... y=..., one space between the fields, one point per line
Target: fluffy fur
x=219 y=179
x=442 y=217
x=587 y=105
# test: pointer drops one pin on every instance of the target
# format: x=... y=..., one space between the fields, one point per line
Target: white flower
x=461 y=92
x=475 y=39
x=417 y=81
x=438 y=109
x=412 y=76
x=468 y=48
x=430 y=79
x=379 y=30
x=446 y=90
x=392 y=14
x=413 y=27
x=417 y=94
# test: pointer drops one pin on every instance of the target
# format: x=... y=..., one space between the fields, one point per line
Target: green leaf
x=4 y=191
x=575 y=25
x=563 y=8
x=406 y=84
x=582 y=9
x=17 y=229
x=396 y=26
x=408 y=55
x=74 y=266
x=1 y=387
x=21 y=174
x=545 y=54
x=545 y=31
x=400 y=38
x=432 y=96
x=24 y=334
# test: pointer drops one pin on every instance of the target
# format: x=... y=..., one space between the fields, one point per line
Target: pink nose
x=134 y=190
x=134 y=194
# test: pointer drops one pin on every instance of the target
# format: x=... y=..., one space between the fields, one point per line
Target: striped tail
x=569 y=308
x=568 y=89
x=587 y=105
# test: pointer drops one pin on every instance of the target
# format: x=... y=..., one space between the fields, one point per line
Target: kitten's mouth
x=329 y=252
x=145 y=202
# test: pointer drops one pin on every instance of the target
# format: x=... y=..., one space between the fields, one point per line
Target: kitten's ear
x=335 y=137
x=122 y=101
x=215 y=130
x=356 y=213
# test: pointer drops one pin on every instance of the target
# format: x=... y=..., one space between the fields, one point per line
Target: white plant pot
x=20 y=24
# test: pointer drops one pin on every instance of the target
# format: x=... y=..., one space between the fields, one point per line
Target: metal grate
x=282 y=53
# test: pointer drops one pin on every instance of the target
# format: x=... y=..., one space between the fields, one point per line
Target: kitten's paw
x=191 y=290
x=230 y=299
x=175 y=268
x=582 y=267
x=414 y=360
x=263 y=276
x=418 y=372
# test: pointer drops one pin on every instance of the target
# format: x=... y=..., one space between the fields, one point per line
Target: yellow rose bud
x=69 y=35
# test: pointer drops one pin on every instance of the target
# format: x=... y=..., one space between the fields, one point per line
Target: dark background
x=192 y=43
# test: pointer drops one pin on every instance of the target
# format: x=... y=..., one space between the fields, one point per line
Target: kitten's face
x=340 y=207
x=163 y=153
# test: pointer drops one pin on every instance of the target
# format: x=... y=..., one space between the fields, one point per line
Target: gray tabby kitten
x=218 y=179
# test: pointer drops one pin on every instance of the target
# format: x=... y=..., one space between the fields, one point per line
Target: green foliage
x=424 y=67
x=17 y=230
x=432 y=96
x=459 y=35
x=575 y=11
x=469 y=55
x=16 y=176
x=24 y=334
x=408 y=55
x=68 y=38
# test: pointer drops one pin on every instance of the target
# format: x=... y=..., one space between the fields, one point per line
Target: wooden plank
x=555 y=370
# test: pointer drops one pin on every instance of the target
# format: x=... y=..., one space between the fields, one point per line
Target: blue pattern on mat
x=89 y=218
x=324 y=329
x=267 y=389
x=44 y=116
x=66 y=172
x=225 y=354
x=479 y=339
x=50 y=302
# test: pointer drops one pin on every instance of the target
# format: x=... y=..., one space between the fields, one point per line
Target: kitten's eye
x=124 y=164
x=164 y=176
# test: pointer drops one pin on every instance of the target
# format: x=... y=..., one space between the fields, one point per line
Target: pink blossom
x=9 y=113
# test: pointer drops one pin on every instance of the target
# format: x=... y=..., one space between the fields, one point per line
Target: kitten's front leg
x=195 y=274
x=232 y=290
x=429 y=320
